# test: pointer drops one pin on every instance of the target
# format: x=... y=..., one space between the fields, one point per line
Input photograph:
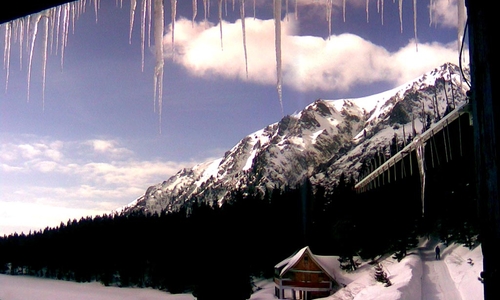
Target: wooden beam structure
x=413 y=146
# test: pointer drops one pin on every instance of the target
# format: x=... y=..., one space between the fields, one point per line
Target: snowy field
x=418 y=276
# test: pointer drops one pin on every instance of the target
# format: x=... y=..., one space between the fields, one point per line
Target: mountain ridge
x=320 y=142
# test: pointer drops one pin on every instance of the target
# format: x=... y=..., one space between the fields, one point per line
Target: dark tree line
x=212 y=251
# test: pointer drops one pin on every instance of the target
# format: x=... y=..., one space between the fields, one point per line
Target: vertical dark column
x=486 y=117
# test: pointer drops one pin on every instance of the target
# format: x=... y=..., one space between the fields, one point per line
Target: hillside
x=319 y=143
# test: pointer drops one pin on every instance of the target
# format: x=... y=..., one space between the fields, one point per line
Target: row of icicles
x=55 y=24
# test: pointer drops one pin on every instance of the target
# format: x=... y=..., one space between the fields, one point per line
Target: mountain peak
x=325 y=139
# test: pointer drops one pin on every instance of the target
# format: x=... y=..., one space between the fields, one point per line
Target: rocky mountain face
x=324 y=140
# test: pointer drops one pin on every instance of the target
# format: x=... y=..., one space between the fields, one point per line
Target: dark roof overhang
x=17 y=9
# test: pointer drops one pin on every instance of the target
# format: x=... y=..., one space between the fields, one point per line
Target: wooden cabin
x=305 y=276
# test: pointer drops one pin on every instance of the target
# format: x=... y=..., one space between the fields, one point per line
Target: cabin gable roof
x=291 y=262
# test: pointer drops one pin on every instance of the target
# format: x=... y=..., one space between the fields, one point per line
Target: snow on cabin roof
x=324 y=262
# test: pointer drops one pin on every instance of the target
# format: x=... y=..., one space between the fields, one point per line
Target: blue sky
x=92 y=143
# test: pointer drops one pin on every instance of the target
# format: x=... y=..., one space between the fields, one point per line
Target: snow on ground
x=421 y=276
x=465 y=267
x=436 y=279
x=33 y=288
x=418 y=276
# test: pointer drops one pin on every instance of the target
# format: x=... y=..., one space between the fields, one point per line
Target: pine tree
x=347 y=263
x=381 y=275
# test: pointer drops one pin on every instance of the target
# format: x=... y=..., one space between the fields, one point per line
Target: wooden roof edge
x=292 y=261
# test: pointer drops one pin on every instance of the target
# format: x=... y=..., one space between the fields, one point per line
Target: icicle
x=382 y=11
x=329 y=5
x=174 y=15
x=367 y=11
x=296 y=9
x=195 y=11
x=27 y=31
x=286 y=10
x=431 y=7
x=415 y=23
x=233 y=4
x=21 y=40
x=277 y=33
x=243 y=30
x=400 y=6
x=343 y=9
x=6 y=53
x=81 y=7
x=205 y=8
x=58 y=27
x=15 y=28
x=254 y=9
x=45 y=38
x=73 y=17
x=220 y=24
x=96 y=8
x=143 y=32
x=133 y=4
x=158 y=38
x=52 y=28
x=420 y=151
x=32 y=46
x=149 y=5
x=65 y=24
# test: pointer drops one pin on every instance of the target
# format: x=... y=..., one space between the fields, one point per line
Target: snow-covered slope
x=320 y=142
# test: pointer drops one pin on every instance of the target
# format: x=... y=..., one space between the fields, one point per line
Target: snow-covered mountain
x=325 y=139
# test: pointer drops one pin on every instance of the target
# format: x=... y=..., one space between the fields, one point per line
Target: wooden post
x=449 y=138
x=460 y=134
x=486 y=115
x=445 y=144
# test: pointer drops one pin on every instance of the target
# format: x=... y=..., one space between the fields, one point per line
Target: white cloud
x=23 y=217
x=133 y=172
x=198 y=48
x=427 y=57
x=50 y=181
x=29 y=151
x=45 y=166
x=444 y=12
x=103 y=145
x=7 y=168
x=335 y=64
x=108 y=147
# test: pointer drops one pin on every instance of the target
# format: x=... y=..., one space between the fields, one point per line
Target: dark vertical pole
x=486 y=116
